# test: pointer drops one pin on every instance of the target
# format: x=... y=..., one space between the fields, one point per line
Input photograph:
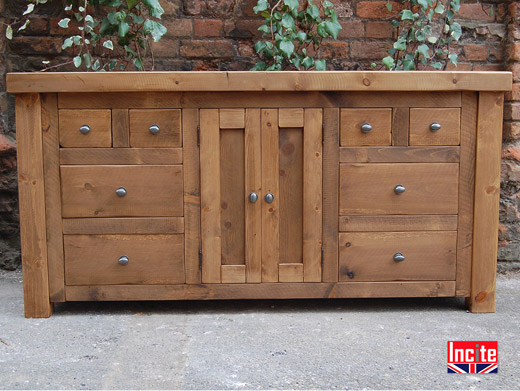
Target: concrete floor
x=292 y=344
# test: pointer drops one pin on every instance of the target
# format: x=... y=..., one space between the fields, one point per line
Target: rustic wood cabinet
x=159 y=186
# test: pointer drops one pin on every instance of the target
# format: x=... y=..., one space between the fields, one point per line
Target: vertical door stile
x=312 y=195
x=270 y=185
x=210 y=195
x=253 y=183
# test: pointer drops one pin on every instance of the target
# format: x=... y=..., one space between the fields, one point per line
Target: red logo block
x=472 y=356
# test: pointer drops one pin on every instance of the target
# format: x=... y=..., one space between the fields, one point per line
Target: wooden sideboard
x=249 y=185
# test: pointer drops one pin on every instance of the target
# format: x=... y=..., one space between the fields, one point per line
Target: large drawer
x=405 y=188
x=378 y=256
x=121 y=191
x=99 y=259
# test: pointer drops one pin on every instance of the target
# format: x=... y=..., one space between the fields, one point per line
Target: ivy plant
x=111 y=34
x=425 y=29
x=293 y=32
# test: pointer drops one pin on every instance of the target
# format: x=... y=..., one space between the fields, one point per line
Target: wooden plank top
x=257 y=81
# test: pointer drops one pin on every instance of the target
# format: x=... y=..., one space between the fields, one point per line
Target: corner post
x=487 y=195
x=32 y=206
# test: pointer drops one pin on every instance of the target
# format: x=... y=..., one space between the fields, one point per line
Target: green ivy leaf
x=260 y=46
x=292 y=4
x=138 y=64
x=288 y=21
x=322 y=30
x=30 y=8
x=333 y=28
x=389 y=6
x=264 y=28
x=424 y=50
x=123 y=29
x=301 y=36
x=287 y=47
x=261 y=5
x=388 y=62
x=320 y=65
x=155 y=8
x=9 y=32
x=407 y=15
x=67 y=43
x=454 y=58
x=439 y=9
x=437 y=65
x=456 y=31
x=423 y=3
x=87 y=59
x=24 y=26
x=308 y=62
x=432 y=40
x=131 y=3
x=259 y=66
x=77 y=61
x=64 y=23
x=400 y=44
x=155 y=29
x=313 y=12
x=108 y=44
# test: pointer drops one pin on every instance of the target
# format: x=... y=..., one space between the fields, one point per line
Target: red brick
x=511 y=131
x=36 y=45
x=369 y=50
x=37 y=26
x=476 y=11
x=246 y=29
x=514 y=94
x=178 y=28
x=512 y=111
x=379 y=30
x=211 y=49
x=194 y=7
x=513 y=52
x=57 y=30
x=220 y=8
x=511 y=152
x=497 y=53
x=351 y=29
x=474 y=52
x=166 y=47
x=461 y=66
x=488 y=67
x=171 y=7
x=207 y=27
x=334 y=50
x=377 y=9
x=6 y=145
x=246 y=49
x=515 y=68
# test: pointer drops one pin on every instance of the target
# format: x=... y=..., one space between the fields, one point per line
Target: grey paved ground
x=338 y=344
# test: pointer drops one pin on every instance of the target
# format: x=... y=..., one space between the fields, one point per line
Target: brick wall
x=219 y=35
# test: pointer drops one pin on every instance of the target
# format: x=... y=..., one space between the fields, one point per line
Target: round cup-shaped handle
x=121 y=192
x=123 y=260
x=398 y=257
x=253 y=197
x=154 y=129
x=399 y=189
x=269 y=198
x=366 y=127
x=85 y=129
x=435 y=126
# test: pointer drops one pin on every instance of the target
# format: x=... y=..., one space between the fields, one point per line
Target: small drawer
x=397 y=256
x=121 y=191
x=124 y=259
x=85 y=128
x=361 y=127
x=432 y=126
x=383 y=189
x=155 y=128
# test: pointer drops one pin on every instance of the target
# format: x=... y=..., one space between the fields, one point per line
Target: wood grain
x=258 y=81
x=290 y=118
x=395 y=223
x=466 y=191
x=210 y=195
x=267 y=291
x=100 y=124
x=90 y=191
x=31 y=191
x=191 y=167
x=399 y=154
x=270 y=184
x=51 y=172
x=232 y=119
x=330 y=194
x=233 y=274
x=421 y=119
x=169 y=122
x=120 y=128
x=368 y=256
x=487 y=196
x=353 y=119
x=400 y=126
x=312 y=195
x=368 y=189
x=124 y=225
x=117 y=156
x=93 y=259
x=290 y=272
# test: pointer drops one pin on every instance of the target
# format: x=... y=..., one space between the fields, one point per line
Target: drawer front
x=155 y=128
x=90 y=191
x=85 y=128
x=373 y=189
x=366 y=127
x=433 y=126
x=150 y=259
x=397 y=256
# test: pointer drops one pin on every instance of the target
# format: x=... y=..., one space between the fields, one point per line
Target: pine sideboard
x=253 y=185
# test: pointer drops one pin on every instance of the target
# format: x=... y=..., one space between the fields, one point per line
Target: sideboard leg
x=487 y=196
x=32 y=207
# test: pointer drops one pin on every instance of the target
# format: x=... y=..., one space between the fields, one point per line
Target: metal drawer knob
x=269 y=198
x=399 y=189
x=123 y=260
x=253 y=197
x=366 y=127
x=85 y=129
x=434 y=126
x=154 y=129
x=398 y=257
x=121 y=192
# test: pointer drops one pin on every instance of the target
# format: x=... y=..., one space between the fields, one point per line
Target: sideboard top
x=257 y=81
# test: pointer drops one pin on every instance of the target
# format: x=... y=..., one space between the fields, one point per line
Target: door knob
x=434 y=126
x=253 y=197
x=121 y=192
x=399 y=189
x=269 y=198
x=123 y=260
x=85 y=129
x=398 y=257
x=366 y=127
x=154 y=129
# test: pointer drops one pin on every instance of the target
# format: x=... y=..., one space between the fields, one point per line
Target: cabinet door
x=273 y=153
x=230 y=170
